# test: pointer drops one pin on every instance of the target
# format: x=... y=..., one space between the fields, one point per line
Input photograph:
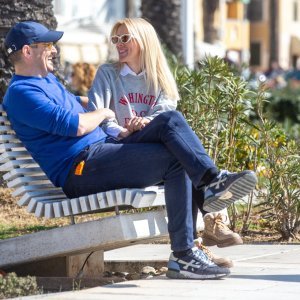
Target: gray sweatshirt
x=126 y=94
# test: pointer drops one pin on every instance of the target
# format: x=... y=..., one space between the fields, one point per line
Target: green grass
x=13 y=231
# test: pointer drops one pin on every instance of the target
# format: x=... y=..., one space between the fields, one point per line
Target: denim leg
x=171 y=129
x=111 y=166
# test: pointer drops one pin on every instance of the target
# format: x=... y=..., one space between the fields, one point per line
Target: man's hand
x=108 y=113
x=136 y=124
x=90 y=120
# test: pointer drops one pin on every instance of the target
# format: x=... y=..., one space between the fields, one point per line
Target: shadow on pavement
x=286 y=277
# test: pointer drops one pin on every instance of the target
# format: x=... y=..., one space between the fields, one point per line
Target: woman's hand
x=124 y=133
x=136 y=124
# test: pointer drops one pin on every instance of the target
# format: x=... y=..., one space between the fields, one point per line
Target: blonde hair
x=152 y=58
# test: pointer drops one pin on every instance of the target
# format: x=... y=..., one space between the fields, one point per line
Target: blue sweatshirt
x=45 y=117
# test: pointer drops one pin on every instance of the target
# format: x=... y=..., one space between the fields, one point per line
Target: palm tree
x=164 y=15
x=13 y=11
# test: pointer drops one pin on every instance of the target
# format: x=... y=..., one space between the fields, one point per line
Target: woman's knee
x=172 y=115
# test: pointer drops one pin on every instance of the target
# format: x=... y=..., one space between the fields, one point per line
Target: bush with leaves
x=217 y=104
x=281 y=180
x=13 y=286
x=229 y=119
x=284 y=107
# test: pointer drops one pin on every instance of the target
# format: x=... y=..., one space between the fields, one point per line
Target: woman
x=139 y=87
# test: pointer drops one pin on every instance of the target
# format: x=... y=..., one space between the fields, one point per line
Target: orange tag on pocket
x=79 y=168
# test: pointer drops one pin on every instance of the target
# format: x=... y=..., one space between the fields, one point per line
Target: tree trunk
x=209 y=9
x=130 y=8
x=13 y=11
x=164 y=15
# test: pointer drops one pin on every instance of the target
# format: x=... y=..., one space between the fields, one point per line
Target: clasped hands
x=134 y=124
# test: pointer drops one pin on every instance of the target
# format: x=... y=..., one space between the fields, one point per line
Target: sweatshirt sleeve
x=162 y=104
x=111 y=128
x=100 y=96
x=100 y=93
x=33 y=108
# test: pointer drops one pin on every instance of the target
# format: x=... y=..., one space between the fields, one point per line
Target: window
x=232 y=10
x=255 y=54
x=255 y=10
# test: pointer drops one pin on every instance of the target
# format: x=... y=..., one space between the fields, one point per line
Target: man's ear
x=26 y=50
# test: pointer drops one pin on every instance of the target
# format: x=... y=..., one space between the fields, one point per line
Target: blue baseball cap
x=27 y=33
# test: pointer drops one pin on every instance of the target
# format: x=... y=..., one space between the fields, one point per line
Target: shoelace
x=206 y=251
x=222 y=177
x=199 y=254
x=219 y=222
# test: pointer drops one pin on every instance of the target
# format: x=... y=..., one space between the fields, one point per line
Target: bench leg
x=85 y=265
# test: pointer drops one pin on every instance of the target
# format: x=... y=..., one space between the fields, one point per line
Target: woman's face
x=129 y=52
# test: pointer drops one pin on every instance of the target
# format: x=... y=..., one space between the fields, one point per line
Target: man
x=68 y=144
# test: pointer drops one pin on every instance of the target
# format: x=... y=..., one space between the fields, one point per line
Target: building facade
x=274 y=33
x=254 y=32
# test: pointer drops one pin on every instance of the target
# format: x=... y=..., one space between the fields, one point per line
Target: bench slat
x=24 y=200
x=10 y=165
x=21 y=172
x=94 y=204
x=40 y=179
x=11 y=155
x=23 y=189
x=8 y=138
x=40 y=210
x=102 y=200
x=6 y=129
x=67 y=209
x=49 y=211
x=11 y=146
x=58 y=210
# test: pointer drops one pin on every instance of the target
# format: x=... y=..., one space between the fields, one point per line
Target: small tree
x=281 y=160
x=229 y=119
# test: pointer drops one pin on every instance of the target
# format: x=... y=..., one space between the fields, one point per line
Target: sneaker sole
x=240 y=188
x=187 y=275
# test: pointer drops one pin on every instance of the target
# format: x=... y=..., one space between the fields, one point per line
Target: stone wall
x=13 y=11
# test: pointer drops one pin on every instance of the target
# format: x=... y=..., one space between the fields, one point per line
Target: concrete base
x=68 y=266
x=103 y=234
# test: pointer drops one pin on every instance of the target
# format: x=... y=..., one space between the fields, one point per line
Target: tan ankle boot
x=217 y=233
x=218 y=260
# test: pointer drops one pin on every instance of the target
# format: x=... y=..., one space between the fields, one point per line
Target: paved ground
x=267 y=272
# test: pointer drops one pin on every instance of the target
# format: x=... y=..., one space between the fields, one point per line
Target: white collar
x=126 y=70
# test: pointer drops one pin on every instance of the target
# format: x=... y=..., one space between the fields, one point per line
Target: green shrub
x=13 y=286
x=232 y=123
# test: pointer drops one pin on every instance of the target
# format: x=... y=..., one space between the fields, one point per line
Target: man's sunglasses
x=48 y=46
x=124 y=38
